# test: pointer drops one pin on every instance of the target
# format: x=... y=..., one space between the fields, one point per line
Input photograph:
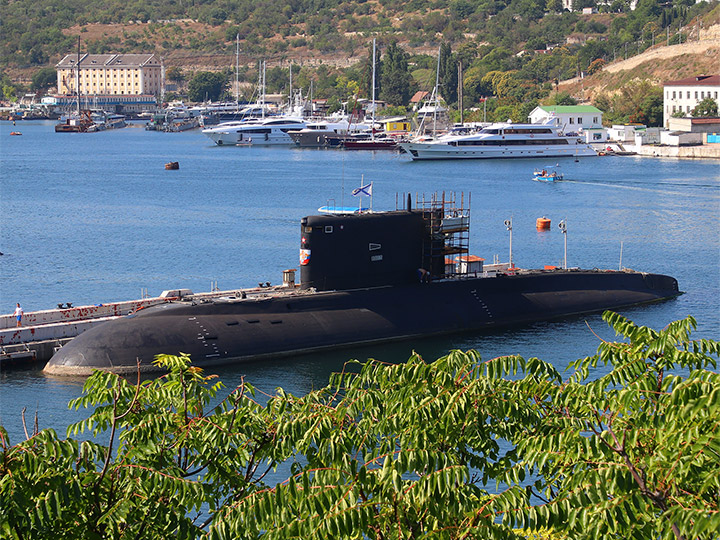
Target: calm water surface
x=93 y=218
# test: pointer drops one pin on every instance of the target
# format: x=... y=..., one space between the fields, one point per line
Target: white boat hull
x=420 y=151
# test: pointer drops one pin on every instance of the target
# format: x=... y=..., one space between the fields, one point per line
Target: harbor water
x=95 y=218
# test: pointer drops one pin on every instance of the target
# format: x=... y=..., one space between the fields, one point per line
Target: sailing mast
x=263 y=89
x=77 y=78
x=372 y=127
x=437 y=100
x=237 y=73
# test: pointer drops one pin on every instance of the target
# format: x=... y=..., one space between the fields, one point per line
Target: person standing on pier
x=18 y=314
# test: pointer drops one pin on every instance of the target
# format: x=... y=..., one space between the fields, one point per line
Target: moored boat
x=82 y=123
x=502 y=140
x=272 y=130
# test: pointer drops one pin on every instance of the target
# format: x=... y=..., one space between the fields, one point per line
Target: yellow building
x=396 y=125
x=110 y=74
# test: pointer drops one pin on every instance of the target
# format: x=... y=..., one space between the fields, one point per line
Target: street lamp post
x=508 y=224
x=563 y=228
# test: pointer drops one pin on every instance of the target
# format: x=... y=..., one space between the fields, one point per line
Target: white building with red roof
x=683 y=95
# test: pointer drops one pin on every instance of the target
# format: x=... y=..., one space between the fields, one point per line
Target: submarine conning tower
x=340 y=251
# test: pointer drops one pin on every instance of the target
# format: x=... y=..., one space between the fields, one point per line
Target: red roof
x=418 y=97
x=700 y=80
x=709 y=120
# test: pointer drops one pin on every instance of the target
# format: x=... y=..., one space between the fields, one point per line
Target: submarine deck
x=284 y=322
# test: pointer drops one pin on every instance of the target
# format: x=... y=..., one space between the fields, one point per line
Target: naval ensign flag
x=363 y=190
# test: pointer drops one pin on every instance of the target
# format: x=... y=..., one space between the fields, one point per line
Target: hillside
x=519 y=53
x=657 y=64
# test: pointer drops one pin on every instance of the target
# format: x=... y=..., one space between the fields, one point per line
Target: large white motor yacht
x=501 y=140
x=259 y=131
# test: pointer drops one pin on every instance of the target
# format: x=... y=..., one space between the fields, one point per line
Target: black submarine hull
x=286 y=323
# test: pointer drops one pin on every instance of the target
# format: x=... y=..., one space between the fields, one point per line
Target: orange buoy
x=542 y=224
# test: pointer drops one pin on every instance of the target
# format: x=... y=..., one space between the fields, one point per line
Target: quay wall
x=707 y=151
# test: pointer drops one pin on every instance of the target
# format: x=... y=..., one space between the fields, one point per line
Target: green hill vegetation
x=516 y=51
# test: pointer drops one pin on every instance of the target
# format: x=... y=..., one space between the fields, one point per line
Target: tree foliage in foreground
x=456 y=448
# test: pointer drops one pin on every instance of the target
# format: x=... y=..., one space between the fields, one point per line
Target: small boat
x=172 y=166
x=547 y=175
x=384 y=143
x=15 y=133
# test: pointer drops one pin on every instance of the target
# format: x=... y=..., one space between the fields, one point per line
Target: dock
x=43 y=332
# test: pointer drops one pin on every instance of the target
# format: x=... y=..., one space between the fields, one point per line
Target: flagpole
x=362 y=183
x=371 y=197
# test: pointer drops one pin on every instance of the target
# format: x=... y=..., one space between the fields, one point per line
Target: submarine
x=365 y=278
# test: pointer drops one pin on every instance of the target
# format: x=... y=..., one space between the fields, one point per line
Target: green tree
x=167 y=455
x=207 y=85
x=44 y=79
x=651 y=108
x=562 y=98
x=626 y=447
x=448 y=74
x=635 y=452
x=175 y=74
x=396 y=81
x=707 y=107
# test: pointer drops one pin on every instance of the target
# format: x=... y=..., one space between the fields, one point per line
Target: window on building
x=674 y=108
x=688 y=108
x=579 y=119
x=688 y=94
x=572 y=121
x=595 y=119
x=673 y=94
x=696 y=94
x=702 y=95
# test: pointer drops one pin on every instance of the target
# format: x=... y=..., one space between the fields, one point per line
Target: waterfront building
x=110 y=74
x=685 y=131
x=683 y=95
x=569 y=117
x=118 y=82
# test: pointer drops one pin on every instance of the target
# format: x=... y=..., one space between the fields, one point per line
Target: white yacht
x=501 y=140
x=259 y=131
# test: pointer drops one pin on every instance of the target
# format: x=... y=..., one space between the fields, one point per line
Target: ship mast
x=372 y=127
x=437 y=83
x=77 y=78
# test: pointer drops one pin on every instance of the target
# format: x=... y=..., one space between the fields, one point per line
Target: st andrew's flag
x=363 y=190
